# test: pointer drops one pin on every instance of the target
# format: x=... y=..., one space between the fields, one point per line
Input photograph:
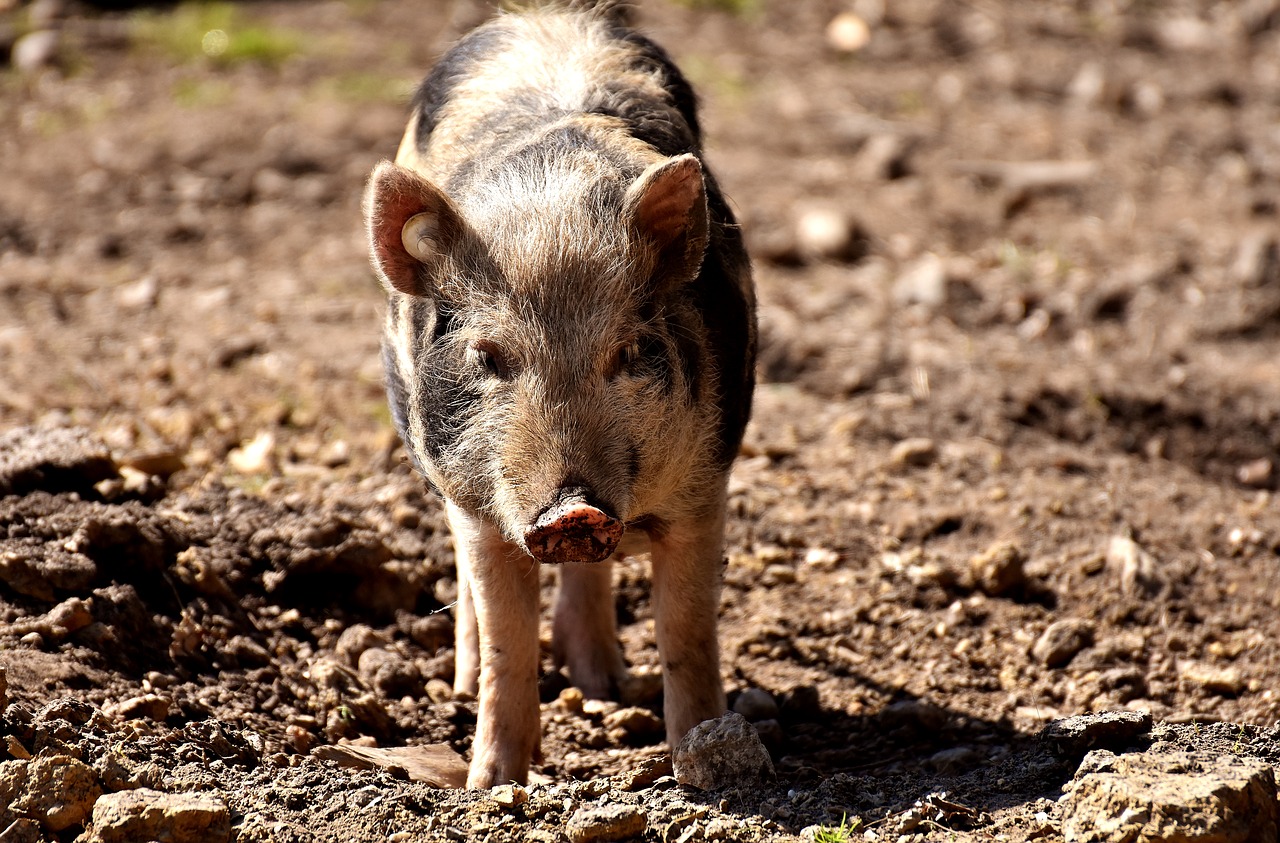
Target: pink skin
x=573 y=531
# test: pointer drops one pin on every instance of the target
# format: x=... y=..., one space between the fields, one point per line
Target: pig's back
x=514 y=77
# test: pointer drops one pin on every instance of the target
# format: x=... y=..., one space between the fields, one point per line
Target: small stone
x=823 y=233
x=35 y=50
x=954 y=759
x=756 y=704
x=600 y=823
x=918 y=715
x=720 y=753
x=355 y=639
x=1112 y=730
x=334 y=454
x=570 y=700
x=641 y=686
x=821 y=558
x=145 y=814
x=1223 y=681
x=634 y=723
x=256 y=456
x=151 y=706
x=645 y=774
x=923 y=282
x=848 y=33
x=140 y=295
x=1139 y=573
x=998 y=570
x=917 y=452
x=1257 y=474
x=1058 y=644
x=391 y=674
x=509 y=796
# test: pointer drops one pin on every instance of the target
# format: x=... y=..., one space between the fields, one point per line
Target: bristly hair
x=620 y=12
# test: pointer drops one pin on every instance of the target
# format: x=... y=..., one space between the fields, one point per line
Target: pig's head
x=544 y=343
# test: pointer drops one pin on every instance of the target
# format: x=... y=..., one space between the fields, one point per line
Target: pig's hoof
x=573 y=531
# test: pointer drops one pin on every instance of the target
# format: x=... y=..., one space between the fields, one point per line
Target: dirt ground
x=1014 y=453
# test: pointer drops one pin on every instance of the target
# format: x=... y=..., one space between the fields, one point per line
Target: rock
x=756 y=704
x=954 y=760
x=1137 y=568
x=57 y=791
x=917 y=451
x=354 y=640
x=722 y=752
x=1105 y=730
x=36 y=50
x=257 y=456
x=56 y=460
x=1174 y=797
x=998 y=570
x=509 y=796
x=645 y=774
x=924 y=282
x=633 y=724
x=1257 y=474
x=1058 y=645
x=145 y=814
x=140 y=295
x=823 y=233
x=1223 y=681
x=392 y=675
x=22 y=831
x=641 y=686
x=431 y=632
x=599 y=823
x=151 y=706
x=848 y=33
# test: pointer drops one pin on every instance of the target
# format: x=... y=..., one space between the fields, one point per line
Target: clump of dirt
x=1014 y=455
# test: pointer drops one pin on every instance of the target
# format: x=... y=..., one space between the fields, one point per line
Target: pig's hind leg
x=687 y=562
x=584 y=631
x=502 y=584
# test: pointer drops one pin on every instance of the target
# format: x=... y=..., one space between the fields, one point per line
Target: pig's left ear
x=668 y=205
x=411 y=226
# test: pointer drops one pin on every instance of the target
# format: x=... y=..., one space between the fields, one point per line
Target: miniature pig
x=569 y=347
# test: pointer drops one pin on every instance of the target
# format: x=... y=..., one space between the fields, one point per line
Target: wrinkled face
x=546 y=355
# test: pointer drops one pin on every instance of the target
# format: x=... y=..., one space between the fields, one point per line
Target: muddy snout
x=573 y=530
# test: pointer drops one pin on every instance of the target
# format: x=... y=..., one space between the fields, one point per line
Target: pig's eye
x=488 y=357
x=625 y=356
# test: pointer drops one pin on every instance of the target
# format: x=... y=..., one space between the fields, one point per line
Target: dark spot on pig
x=459 y=63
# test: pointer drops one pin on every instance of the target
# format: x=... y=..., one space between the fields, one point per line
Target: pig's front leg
x=466 y=650
x=502 y=583
x=686 y=603
x=584 y=632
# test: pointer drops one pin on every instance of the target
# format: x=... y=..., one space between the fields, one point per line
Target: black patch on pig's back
x=456 y=65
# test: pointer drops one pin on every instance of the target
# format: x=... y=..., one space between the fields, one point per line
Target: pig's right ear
x=411 y=226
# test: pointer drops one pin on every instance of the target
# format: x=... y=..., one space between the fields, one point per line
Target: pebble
x=721 y=753
x=645 y=774
x=255 y=456
x=917 y=451
x=355 y=639
x=634 y=723
x=392 y=675
x=1223 y=681
x=140 y=295
x=600 y=823
x=642 y=686
x=57 y=791
x=756 y=704
x=1104 y=730
x=1137 y=568
x=802 y=705
x=1059 y=644
x=509 y=796
x=1257 y=474
x=923 y=282
x=823 y=233
x=998 y=570
x=848 y=33
x=35 y=50
x=151 y=706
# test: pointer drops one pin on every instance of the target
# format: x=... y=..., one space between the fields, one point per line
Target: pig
x=569 y=349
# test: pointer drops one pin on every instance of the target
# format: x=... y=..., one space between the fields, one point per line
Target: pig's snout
x=573 y=530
